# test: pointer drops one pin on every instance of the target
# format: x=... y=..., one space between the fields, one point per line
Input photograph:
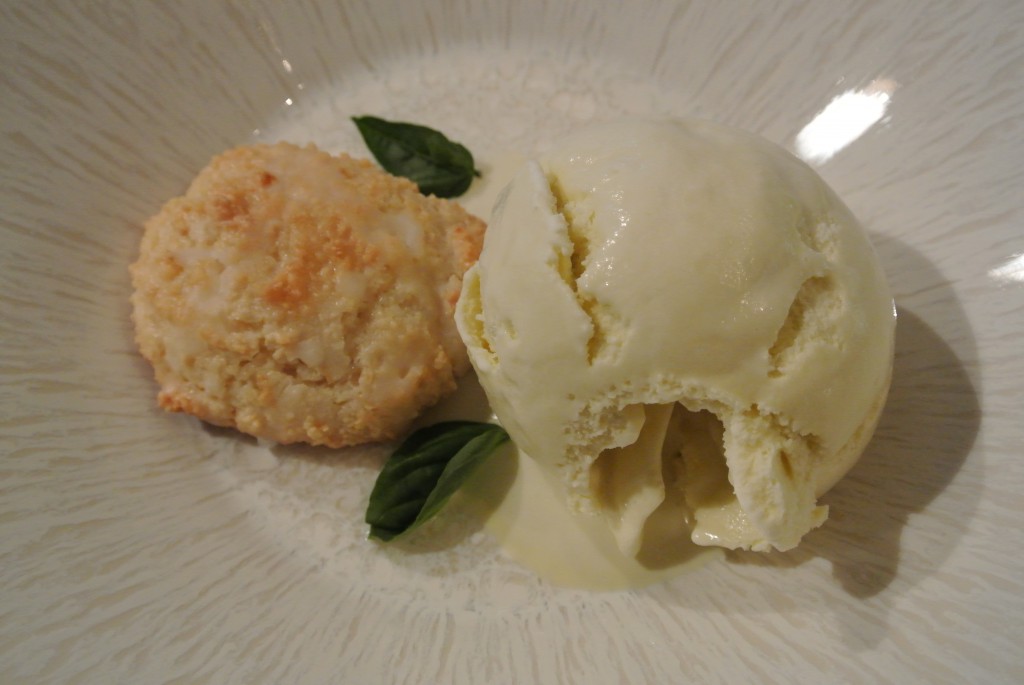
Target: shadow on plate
x=924 y=436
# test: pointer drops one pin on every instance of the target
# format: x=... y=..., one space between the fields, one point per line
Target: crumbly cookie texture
x=303 y=297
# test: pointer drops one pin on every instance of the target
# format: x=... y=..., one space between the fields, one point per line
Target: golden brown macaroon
x=299 y=296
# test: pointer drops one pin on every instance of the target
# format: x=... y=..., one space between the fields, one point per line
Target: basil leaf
x=425 y=471
x=437 y=165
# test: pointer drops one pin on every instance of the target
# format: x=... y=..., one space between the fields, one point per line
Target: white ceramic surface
x=139 y=547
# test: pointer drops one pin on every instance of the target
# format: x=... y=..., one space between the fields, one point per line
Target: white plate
x=141 y=547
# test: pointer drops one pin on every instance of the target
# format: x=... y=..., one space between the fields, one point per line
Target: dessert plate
x=142 y=547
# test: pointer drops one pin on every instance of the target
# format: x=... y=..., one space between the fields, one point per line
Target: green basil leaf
x=425 y=471
x=437 y=165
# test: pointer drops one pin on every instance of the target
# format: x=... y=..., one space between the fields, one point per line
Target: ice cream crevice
x=724 y=474
x=812 y=305
x=578 y=228
x=686 y=459
x=473 y=317
x=787 y=465
x=627 y=481
x=703 y=476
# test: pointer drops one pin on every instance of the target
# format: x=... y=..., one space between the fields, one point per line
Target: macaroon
x=303 y=297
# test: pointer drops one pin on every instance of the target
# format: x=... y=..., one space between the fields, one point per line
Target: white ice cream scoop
x=685 y=322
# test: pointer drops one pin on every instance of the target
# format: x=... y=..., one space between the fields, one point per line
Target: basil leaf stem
x=425 y=471
x=437 y=165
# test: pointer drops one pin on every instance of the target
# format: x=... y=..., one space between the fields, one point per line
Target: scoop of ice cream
x=685 y=321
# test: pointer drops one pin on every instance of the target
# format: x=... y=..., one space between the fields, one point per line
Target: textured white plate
x=139 y=547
